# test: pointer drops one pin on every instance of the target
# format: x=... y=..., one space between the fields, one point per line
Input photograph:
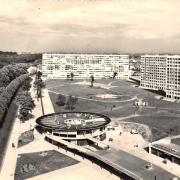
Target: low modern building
x=161 y=72
x=79 y=128
x=60 y=66
x=166 y=149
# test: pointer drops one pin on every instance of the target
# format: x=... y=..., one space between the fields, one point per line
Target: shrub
x=27 y=84
x=26 y=105
x=72 y=100
x=61 y=100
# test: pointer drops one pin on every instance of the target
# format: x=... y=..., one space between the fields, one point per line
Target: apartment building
x=161 y=72
x=60 y=66
x=173 y=77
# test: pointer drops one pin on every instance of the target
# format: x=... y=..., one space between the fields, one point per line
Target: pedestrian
x=13 y=146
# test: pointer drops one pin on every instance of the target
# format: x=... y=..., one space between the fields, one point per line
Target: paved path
x=127 y=100
x=9 y=163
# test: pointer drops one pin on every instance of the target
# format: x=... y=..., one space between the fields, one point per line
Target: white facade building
x=161 y=72
x=59 y=66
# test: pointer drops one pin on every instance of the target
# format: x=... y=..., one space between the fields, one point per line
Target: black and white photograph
x=90 y=89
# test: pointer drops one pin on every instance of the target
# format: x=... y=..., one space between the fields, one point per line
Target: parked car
x=134 y=131
x=174 y=150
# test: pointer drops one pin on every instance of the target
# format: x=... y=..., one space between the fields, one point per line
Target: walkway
x=122 y=161
x=9 y=163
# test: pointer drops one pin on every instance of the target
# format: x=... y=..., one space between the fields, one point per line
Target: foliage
x=9 y=73
x=39 y=84
x=92 y=80
x=173 y=131
x=39 y=74
x=26 y=105
x=2 y=89
x=12 y=57
x=115 y=74
x=72 y=76
x=27 y=84
x=61 y=100
x=71 y=102
x=8 y=93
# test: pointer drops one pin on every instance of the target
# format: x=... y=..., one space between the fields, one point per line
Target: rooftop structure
x=75 y=127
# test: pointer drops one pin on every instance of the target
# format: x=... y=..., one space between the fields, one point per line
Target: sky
x=90 y=26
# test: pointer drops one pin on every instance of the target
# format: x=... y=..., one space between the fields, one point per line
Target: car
x=134 y=131
x=149 y=166
x=174 y=150
x=161 y=97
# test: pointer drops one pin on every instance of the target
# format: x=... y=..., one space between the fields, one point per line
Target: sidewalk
x=9 y=163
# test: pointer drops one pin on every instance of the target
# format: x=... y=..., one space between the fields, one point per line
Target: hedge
x=7 y=95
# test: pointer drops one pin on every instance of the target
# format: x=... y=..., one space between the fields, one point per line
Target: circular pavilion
x=76 y=127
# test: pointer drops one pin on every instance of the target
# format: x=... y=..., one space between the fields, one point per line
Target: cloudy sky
x=90 y=25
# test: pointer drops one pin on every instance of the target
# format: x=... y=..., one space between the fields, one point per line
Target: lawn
x=176 y=141
x=26 y=138
x=161 y=125
x=161 y=115
x=82 y=105
x=79 y=90
x=33 y=164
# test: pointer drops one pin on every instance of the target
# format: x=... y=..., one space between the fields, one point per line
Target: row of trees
x=9 y=73
x=38 y=84
x=10 y=58
x=8 y=93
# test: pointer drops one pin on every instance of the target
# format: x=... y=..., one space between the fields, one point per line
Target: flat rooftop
x=171 y=149
x=135 y=165
x=73 y=121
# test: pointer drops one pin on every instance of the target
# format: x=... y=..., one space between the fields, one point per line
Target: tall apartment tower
x=173 y=77
x=60 y=66
x=161 y=72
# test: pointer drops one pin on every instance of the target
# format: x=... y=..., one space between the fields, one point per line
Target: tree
x=39 y=74
x=61 y=100
x=71 y=102
x=9 y=73
x=15 y=71
x=4 y=77
x=7 y=95
x=27 y=84
x=26 y=105
x=115 y=74
x=2 y=89
x=92 y=80
x=72 y=75
x=39 y=85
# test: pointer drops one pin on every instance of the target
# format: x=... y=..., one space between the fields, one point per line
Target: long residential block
x=60 y=66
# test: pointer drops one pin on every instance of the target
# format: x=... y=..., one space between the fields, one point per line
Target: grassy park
x=116 y=98
x=33 y=164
